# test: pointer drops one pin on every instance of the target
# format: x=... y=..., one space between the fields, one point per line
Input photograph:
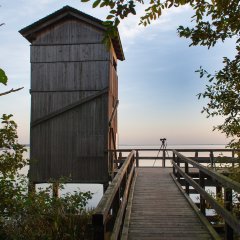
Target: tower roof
x=30 y=31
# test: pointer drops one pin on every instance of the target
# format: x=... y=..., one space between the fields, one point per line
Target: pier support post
x=55 y=189
x=31 y=187
x=228 y=205
x=105 y=186
x=99 y=228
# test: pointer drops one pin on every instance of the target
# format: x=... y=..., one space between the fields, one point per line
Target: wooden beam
x=113 y=113
x=67 y=108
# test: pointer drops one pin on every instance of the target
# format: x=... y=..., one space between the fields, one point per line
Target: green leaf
x=110 y=16
x=102 y=4
x=117 y=21
x=133 y=11
x=96 y=3
x=84 y=0
x=3 y=77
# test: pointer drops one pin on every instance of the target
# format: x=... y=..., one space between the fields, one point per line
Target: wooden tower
x=74 y=98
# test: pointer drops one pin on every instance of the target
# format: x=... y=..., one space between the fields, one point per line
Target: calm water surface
x=97 y=189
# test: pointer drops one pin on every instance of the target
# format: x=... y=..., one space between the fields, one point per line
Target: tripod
x=162 y=147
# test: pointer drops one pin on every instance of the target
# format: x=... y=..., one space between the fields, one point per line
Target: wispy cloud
x=130 y=29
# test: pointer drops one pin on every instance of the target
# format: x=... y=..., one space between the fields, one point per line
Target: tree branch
x=10 y=91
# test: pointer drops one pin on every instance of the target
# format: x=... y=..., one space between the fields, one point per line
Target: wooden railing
x=166 y=155
x=232 y=224
x=107 y=221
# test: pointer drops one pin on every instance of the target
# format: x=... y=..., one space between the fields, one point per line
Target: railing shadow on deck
x=224 y=186
x=108 y=218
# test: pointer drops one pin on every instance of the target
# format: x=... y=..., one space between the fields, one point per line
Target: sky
x=157 y=81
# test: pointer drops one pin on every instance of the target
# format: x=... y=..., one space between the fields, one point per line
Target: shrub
x=35 y=215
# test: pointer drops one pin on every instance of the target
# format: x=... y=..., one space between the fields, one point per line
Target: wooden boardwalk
x=160 y=211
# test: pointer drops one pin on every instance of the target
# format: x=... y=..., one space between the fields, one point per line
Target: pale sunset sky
x=157 y=81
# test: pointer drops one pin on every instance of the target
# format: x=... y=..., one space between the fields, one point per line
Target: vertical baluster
x=228 y=206
x=186 y=182
x=178 y=174
x=202 y=200
x=212 y=159
x=137 y=158
x=219 y=191
x=233 y=158
x=120 y=158
x=174 y=160
x=164 y=158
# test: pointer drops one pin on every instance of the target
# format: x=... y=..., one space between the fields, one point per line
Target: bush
x=35 y=215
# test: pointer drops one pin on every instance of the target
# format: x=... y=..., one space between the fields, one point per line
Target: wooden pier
x=155 y=202
x=160 y=210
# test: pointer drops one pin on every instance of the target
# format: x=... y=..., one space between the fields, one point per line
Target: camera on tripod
x=163 y=148
x=163 y=140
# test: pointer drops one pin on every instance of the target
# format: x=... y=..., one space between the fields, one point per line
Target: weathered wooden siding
x=69 y=63
x=72 y=145
x=70 y=31
x=69 y=53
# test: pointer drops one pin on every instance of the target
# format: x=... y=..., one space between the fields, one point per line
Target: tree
x=215 y=20
x=4 y=79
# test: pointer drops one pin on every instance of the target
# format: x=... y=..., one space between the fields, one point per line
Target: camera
x=163 y=140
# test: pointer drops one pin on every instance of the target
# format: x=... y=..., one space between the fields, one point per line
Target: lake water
x=97 y=189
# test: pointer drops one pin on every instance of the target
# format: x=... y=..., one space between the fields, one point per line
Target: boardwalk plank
x=160 y=211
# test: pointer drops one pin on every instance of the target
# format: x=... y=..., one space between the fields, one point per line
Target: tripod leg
x=157 y=155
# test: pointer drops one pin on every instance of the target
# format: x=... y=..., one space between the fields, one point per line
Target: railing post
x=211 y=159
x=228 y=206
x=174 y=160
x=119 y=158
x=202 y=200
x=218 y=191
x=186 y=182
x=178 y=174
x=164 y=158
x=137 y=158
x=98 y=227
x=233 y=158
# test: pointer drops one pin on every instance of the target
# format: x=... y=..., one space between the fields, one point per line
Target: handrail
x=231 y=222
x=179 y=149
x=167 y=154
x=108 y=216
x=225 y=181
